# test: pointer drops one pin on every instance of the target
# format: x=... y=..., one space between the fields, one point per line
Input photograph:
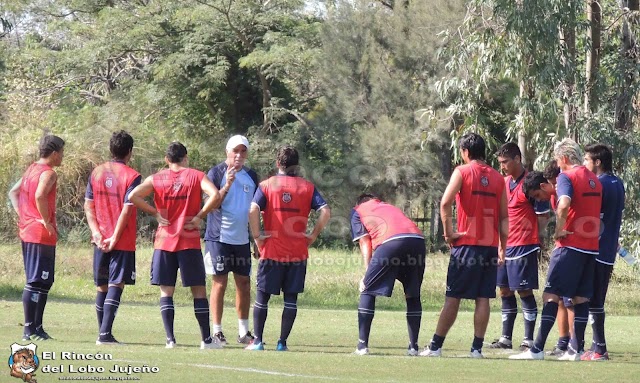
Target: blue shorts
x=274 y=276
x=115 y=267
x=520 y=273
x=222 y=258
x=570 y=273
x=601 y=278
x=165 y=265
x=472 y=272
x=39 y=262
x=402 y=259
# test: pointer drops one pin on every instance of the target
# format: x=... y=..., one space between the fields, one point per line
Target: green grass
x=324 y=335
x=332 y=281
x=321 y=345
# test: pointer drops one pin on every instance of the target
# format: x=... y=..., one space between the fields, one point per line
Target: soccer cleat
x=586 y=355
x=501 y=343
x=253 y=346
x=556 y=351
x=43 y=335
x=282 y=346
x=362 y=351
x=219 y=337
x=412 y=350
x=26 y=338
x=246 y=338
x=571 y=356
x=526 y=345
x=108 y=341
x=476 y=354
x=593 y=356
x=431 y=353
x=213 y=345
x=170 y=344
x=528 y=355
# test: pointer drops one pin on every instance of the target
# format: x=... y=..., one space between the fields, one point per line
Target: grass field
x=323 y=338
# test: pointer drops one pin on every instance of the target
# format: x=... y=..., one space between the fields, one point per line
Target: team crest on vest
x=286 y=197
x=592 y=184
x=484 y=181
x=177 y=185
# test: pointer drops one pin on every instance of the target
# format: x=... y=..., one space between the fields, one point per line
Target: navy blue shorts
x=570 y=273
x=39 y=262
x=472 y=272
x=115 y=267
x=222 y=258
x=601 y=278
x=165 y=265
x=274 y=276
x=402 y=259
x=520 y=273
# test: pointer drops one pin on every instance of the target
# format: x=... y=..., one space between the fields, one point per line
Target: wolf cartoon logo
x=23 y=362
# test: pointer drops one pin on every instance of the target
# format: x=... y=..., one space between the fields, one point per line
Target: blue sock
x=477 y=343
x=288 y=316
x=201 y=309
x=111 y=304
x=563 y=343
x=168 y=313
x=43 y=295
x=509 y=313
x=366 y=311
x=530 y=313
x=414 y=317
x=580 y=324
x=29 y=303
x=260 y=308
x=100 y=297
x=547 y=319
x=436 y=342
x=599 y=344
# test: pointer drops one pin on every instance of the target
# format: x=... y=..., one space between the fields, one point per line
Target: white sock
x=217 y=328
x=243 y=327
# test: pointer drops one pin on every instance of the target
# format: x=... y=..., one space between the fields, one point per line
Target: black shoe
x=107 y=341
x=219 y=337
x=43 y=335
x=246 y=338
x=500 y=344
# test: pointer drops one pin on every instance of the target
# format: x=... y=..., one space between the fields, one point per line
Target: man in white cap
x=227 y=245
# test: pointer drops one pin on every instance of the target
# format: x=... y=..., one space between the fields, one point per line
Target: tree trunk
x=594 y=15
x=568 y=44
x=629 y=59
x=528 y=156
x=266 y=100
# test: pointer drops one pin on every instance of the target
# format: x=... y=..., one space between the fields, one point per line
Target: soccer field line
x=253 y=371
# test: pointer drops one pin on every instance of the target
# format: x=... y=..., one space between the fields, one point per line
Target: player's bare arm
x=213 y=202
x=14 y=195
x=325 y=215
x=254 y=226
x=561 y=217
x=503 y=219
x=90 y=213
x=138 y=195
x=446 y=207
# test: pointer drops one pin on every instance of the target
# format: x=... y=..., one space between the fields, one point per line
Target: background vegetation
x=373 y=93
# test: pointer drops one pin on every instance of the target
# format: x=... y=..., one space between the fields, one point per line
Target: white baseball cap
x=237 y=140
